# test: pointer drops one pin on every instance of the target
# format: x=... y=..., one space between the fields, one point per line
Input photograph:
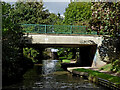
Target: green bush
x=65 y=61
x=116 y=65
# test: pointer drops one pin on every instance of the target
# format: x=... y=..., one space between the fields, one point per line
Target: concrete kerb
x=97 y=80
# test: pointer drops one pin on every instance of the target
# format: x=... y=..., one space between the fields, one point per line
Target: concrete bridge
x=88 y=44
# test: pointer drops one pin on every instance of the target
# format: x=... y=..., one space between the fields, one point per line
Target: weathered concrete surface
x=61 y=39
x=67 y=41
x=97 y=61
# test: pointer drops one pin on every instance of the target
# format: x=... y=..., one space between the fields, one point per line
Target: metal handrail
x=55 y=29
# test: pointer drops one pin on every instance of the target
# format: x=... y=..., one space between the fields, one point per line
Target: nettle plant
x=105 y=18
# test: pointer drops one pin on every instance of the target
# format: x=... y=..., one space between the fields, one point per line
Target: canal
x=50 y=75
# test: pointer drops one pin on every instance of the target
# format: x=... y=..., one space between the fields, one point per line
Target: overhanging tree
x=30 y=13
x=12 y=63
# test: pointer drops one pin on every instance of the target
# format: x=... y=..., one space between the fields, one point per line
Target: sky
x=54 y=6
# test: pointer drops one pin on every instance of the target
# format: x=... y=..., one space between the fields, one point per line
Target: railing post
x=45 y=29
x=71 y=29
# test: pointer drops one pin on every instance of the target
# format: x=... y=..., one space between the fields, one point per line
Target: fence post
x=35 y=29
x=71 y=29
x=45 y=29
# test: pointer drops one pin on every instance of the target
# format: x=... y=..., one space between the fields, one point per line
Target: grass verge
x=114 y=79
x=107 y=67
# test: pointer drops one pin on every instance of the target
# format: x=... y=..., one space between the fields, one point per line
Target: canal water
x=51 y=76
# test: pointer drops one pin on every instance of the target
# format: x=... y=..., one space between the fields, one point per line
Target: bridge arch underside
x=86 y=52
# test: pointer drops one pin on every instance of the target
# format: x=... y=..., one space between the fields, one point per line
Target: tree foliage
x=31 y=54
x=105 y=18
x=33 y=13
x=55 y=19
x=67 y=53
x=13 y=65
x=30 y=13
x=77 y=13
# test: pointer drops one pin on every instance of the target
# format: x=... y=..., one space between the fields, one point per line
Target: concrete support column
x=79 y=58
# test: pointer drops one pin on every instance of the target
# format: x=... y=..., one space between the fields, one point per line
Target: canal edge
x=94 y=79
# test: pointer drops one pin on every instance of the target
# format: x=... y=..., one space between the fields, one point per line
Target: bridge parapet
x=56 y=29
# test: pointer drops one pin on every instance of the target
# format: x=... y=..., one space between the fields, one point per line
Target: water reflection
x=51 y=76
x=49 y=66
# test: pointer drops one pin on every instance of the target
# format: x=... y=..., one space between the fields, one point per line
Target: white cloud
x=62 y=15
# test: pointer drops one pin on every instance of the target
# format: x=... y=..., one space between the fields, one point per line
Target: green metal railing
x=55 y=29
